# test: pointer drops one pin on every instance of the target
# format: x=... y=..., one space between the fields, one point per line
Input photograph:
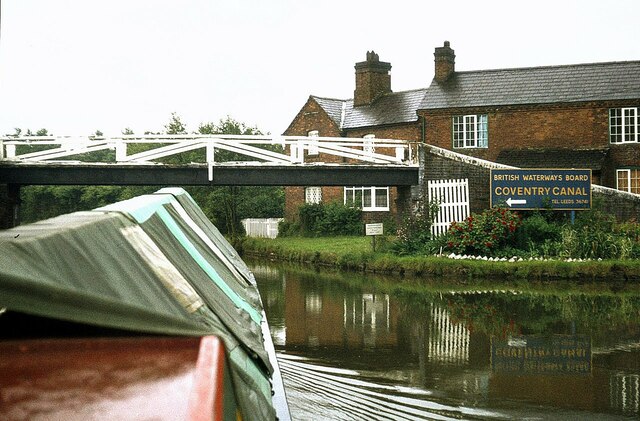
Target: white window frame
x=624 y=124
x=313 y=195
x=627 y=176
x=350 y=195
x=368 y=146
x=470 y=131
x=313 y=147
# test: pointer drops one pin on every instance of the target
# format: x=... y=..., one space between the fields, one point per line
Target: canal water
x=348 y=350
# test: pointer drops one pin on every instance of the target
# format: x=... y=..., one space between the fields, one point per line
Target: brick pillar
x=404 y=203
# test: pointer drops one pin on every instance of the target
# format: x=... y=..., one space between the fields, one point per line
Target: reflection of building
x=369 y=314
x=272 y=286
x=448 y=342
x=426 y=344
x=315 y=315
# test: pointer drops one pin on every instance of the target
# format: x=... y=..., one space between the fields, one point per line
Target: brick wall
x=409 y=131
x=572 y=126
x=440 y=164
x=311 y=117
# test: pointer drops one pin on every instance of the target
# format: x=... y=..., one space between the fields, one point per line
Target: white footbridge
x=281 y=151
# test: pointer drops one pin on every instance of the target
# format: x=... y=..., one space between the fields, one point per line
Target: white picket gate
x=261 y=227
x=453 y=197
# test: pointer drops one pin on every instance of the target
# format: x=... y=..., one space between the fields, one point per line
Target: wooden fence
x=453 y=197
x=261 y=227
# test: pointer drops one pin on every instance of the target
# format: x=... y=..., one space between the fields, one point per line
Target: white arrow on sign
x=511 y=201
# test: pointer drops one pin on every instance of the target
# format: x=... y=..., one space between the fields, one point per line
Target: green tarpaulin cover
x=152 y=264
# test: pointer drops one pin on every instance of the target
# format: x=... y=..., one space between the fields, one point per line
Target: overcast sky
x=77 y=66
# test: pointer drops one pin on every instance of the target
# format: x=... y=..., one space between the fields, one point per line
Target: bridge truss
x=249 y=150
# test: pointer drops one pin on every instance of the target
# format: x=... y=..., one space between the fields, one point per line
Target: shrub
x=330 y=219
x=414 y=233
x=288 y=228
x=339 y=219
x=482 y=234
x=536 y=228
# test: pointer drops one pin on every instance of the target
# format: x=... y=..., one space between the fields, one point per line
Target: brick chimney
x=445 y=62
x=372 y=79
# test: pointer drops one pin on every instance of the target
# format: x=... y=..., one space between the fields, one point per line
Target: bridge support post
x=9 y=206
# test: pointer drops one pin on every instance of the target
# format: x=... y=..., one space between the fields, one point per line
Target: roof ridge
x=553 y=66
x=385 y=94
x=327 y=98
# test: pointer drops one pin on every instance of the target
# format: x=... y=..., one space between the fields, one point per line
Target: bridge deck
x=75 y=173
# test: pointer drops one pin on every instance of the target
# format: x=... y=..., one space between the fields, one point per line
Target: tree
x=175 y=125
x=225 y=206
x=228 y=205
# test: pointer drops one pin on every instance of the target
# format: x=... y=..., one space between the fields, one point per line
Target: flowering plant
x=482 y=234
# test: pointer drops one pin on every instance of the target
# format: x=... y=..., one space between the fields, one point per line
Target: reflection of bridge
x=260 y=160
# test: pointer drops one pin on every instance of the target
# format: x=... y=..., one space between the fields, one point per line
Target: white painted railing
x=274 y=150
x=453 y=199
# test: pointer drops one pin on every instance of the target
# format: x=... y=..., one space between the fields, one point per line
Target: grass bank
x=355 y=254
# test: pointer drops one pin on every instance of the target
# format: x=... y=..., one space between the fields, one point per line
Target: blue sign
x=559 y=189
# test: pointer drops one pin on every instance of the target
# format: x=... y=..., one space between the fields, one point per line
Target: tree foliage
x=225 y=206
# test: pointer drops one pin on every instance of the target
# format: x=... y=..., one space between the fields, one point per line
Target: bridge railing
x=278 y=150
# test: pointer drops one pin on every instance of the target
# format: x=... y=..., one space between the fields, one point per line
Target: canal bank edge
x=625 y=271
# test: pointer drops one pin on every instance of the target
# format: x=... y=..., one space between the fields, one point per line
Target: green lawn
x=355 y=254
x=333 y=245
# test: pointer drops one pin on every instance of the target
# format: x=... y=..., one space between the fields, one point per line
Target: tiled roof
x=536 y=85
x=554 y=158
x=391 y=108
x=333 y=107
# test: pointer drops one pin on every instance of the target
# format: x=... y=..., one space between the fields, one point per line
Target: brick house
x=374 y=111
x=571 y=116
x=574 y=116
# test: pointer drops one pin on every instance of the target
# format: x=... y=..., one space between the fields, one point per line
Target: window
x=623 y=125
x=313 y=149
x=313 y=195
x=628 y=180
x=470 y=131
x=368 y=198
x=368 y=143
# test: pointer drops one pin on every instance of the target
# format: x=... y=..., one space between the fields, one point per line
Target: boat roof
x=151 y=264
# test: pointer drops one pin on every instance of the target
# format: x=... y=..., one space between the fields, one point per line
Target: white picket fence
x=261 y=227
x=453 y=197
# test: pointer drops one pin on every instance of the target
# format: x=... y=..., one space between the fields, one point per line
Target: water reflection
x=349 y=352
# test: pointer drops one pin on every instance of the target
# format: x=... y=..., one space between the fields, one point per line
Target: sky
x=77 y=66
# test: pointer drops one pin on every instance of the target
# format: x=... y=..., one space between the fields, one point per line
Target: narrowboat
x=137 y=310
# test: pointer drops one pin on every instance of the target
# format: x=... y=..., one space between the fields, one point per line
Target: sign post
x=373 y=230
x=530 y=189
